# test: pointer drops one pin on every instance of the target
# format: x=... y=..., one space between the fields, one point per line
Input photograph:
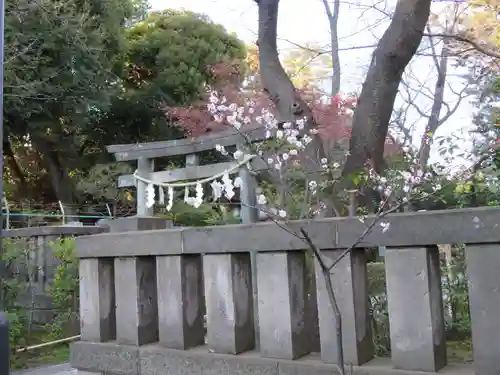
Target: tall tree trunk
x=276 y=83
x=333 y=19
x=433 y=123
x=15 y=168
x=376 y=101
x=61 y=182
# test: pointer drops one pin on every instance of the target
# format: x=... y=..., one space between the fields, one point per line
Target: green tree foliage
x=60 y=62
x=170 y=53
x=166 y=64
x=307 y=66
x=481 y=22
x=487 y=121
x=81 y=74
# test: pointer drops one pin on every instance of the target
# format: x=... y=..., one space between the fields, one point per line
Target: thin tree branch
x=463 y=39
x=333 y=301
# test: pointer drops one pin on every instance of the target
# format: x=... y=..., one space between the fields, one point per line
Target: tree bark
x=376 y=101
x=333 y=19
x=61 y=182
x=15 y=169
x=280 y=89
x=433 y=123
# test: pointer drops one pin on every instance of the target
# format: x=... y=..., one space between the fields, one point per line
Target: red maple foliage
x=196 y=119
x=333 y=117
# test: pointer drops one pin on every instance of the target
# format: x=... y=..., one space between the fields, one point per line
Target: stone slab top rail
x=464 y=226
x=185 y=146
x=61 y=230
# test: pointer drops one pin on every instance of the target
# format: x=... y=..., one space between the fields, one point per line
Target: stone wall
x=40 y=262
x=145 y=293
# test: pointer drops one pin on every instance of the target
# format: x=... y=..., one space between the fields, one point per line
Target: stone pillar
x=181 y=303
x=228 y=291
x=144 y=168
x=415 y=301
x=312 y=295
x=483 y=270
x=285 y=331
x=250 y=214
x=97 y=300
x=350 y=285
x=136 y=300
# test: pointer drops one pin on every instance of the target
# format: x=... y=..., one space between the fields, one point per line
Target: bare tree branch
x=321 y=51
x=411 y=100
x=450 y=111
x=460 y=38
x=333 y=301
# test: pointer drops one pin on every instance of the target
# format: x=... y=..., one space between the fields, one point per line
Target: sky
x=240 y=16
x=359 y=26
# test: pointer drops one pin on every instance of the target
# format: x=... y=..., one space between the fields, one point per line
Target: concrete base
x=153 y=359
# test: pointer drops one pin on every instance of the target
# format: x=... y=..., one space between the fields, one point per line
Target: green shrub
x=185 y=215
x=455 y=301
x=378 y=308
x=20 y=280
x=64 y=289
